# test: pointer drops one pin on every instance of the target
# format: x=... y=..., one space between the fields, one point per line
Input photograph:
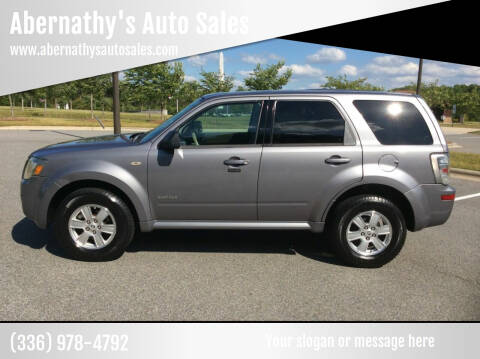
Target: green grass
x=468 y=161
x=54 y=117
x=475 y=133
x=468 y=124
x=234 y=122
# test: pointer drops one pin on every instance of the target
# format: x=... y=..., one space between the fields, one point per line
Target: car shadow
x=27 y=233
x=286 y=242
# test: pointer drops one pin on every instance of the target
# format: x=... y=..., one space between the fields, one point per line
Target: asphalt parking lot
x=231 y=275
x=465 y=143
x=462 y=140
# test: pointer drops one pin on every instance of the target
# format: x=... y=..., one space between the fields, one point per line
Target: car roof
x=302 y=92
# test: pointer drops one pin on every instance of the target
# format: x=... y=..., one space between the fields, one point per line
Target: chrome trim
x=231 y=225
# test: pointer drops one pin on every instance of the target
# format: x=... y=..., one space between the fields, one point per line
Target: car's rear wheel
x=366 y=231
x=93 y=224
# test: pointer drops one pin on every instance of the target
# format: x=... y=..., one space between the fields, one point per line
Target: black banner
x=444 y=32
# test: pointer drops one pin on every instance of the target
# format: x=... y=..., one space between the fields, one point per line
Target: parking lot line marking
x=467 y=196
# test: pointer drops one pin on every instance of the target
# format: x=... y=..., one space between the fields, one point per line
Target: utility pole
x=116 y=104
x=419 y=79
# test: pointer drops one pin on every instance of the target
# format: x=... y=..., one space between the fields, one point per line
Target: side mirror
x=170 y=142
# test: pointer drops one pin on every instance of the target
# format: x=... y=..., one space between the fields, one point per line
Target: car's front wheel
x=367 y=231
x=93 y=224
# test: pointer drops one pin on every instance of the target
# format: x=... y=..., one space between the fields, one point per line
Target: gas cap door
x=388 y=163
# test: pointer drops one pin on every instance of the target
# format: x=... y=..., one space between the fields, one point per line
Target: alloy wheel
x=92 y=226
x=369 y=233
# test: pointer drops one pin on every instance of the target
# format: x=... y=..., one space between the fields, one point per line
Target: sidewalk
x=457 y=130
x=72 y=128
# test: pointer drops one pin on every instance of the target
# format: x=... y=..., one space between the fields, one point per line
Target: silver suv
x=361 y=166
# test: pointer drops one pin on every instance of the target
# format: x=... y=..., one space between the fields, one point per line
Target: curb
x=465 y=172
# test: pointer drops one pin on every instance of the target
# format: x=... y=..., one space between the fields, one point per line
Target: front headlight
x=33 y=167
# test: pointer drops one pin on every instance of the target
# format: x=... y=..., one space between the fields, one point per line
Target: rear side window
x=299 y=122
x=395 y=122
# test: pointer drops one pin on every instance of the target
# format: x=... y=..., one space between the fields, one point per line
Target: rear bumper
x=428 y=207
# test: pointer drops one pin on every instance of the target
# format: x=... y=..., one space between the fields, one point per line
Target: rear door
x=311 y=154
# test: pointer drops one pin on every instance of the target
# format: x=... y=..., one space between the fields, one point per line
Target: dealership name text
x=93 y=23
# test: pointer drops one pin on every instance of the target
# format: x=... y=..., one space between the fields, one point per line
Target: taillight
x=440 y=164
x=448 y=197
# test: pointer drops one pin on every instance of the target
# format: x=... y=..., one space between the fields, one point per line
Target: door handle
x=234 y=164
x=337 y=160
x=235 y=161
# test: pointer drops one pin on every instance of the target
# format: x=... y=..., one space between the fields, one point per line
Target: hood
x=90 y=143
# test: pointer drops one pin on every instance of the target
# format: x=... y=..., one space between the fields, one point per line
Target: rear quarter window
x=395 y=122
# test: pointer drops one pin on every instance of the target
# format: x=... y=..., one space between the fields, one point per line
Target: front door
x=311 y=155
x=214 y=174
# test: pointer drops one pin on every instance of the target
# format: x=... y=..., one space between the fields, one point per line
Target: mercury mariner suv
x=364 y=167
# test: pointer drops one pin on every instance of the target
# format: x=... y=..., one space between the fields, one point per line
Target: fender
x=98 y=170
x=397 y=180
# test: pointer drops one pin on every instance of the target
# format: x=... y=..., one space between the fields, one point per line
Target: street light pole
x=116 y=104
x=419 y=79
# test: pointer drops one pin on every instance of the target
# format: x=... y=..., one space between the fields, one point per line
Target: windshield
x=150 y=135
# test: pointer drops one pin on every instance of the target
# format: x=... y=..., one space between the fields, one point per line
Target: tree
x=42 y=95
x=467 y=98
x=11 y=105
x=88 y=87
x=104 y=84
x=125 y=95
x=269 y=78
x=212 y=82
x=342 y=83
x=95 y=88
x=154 y=84
x=438 y=98
x=442 y=97
x=23 y=95
x=189 y=92
x=54 y=92
x=30 y=95
x=70 y=91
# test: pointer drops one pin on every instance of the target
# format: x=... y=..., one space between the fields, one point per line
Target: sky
x=310 y=64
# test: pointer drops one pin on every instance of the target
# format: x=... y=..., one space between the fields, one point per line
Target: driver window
x=223 y=124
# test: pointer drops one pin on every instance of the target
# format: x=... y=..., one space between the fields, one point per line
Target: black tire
x=345 y=211
x=125 y=225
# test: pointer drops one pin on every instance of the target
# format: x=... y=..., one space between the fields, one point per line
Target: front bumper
x=428 y=207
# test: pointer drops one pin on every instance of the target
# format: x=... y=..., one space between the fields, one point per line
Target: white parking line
x=467 y=196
